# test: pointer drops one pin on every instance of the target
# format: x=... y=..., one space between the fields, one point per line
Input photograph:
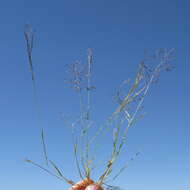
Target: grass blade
x=44 y=147
x=60 y=173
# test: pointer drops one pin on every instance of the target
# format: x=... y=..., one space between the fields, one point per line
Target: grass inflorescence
x=127 y=113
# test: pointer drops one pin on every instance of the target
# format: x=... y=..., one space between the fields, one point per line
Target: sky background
x=118 y=32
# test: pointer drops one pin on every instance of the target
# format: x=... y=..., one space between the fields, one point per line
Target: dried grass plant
x=127 y=113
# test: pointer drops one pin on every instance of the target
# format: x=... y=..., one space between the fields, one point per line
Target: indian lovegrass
x=127 y=113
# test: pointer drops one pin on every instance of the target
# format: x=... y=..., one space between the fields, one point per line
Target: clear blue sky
x=118 y=32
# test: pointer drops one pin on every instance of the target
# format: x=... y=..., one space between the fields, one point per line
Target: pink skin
x=94 y=187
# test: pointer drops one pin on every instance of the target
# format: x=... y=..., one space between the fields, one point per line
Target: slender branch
x=49 y=172
x=77 y=162
x=44 y=147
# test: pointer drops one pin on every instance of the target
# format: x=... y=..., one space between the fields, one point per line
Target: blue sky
x=118 y=32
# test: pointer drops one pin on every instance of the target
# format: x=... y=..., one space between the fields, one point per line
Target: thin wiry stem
x=114 y=153
x=81 y=81
x=44 y=147
x=49 y=172
x=77 y=162
x=29 y=37
x=75 y=147
x=88 y=116
x=138 y=106
x=132 y=95
x=60 y=173
x=122 y=169
x=89 y=82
